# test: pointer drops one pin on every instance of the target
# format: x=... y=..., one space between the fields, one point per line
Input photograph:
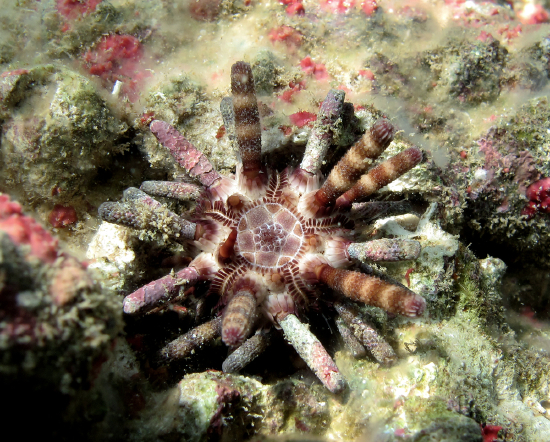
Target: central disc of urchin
x=269 y=236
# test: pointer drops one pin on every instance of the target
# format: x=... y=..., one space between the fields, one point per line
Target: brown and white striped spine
x=371 y=290
x=247 y=119
x=239 y=317
x=355 y=162
x=381 y=176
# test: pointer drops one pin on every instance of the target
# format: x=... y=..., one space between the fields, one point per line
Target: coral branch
x=312 y=352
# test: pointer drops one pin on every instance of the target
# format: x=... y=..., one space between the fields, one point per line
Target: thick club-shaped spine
x=322 y=134
x=351 y=342
x=170 y=189
x=187 y=155
x=355 y=162
x=381 y=175
x=161 y=291
x=371 y=290
x=160 y=218
x=247 y=119
x=312 y=352
x=192 y=340
x=247 y=352
x=366 y=333
x=239 y=317
x=389 y=250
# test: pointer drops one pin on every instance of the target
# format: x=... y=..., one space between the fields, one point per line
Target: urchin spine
x=247 y=119
x=351 y=342
x=371 y=290
x=312 y=352
x=355 y=162
x=192 y=340
x=159 y=292
x=319 y=141
x=239 y=317
x=380 y=176
x=247 y=352
x=386 y=249
x=187 y=155
x=366 y=333
x=170 y=189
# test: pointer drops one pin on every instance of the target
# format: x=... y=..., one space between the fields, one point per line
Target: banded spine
x=381 y=175
x=247 y=119
x=371 y=290
x=348 y=170
x=239 y=317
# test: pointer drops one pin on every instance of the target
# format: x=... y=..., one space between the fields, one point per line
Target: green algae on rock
x=59 y=131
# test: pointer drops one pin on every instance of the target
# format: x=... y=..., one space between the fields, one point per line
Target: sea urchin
x=270 y=243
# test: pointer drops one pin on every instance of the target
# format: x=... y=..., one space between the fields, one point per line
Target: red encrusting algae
x=74 y=9
x=118 y=57
x=62 y=216
x=23 y=230
x=538 y=194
